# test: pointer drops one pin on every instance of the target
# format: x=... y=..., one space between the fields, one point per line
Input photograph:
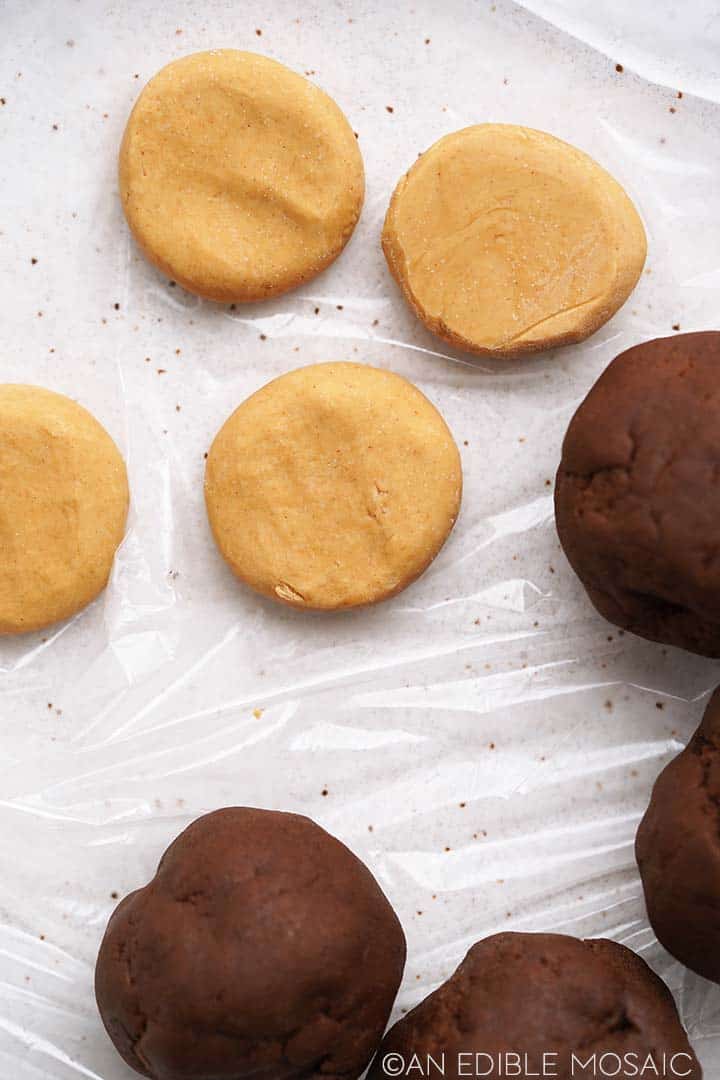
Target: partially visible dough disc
x=506 y=241
x=239 y=178
x=333 y=486
x=63 y=506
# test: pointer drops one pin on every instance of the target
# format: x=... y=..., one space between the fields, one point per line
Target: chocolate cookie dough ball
x=262 y=948
x=678 y=851
x=637 y=497
x=541 y=998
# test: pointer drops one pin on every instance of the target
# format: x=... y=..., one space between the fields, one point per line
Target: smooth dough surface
x=63 y=506
x=506 y=240
x=239 y=178
x=333 y=486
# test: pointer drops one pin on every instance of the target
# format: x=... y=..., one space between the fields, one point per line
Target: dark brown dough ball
x=637 y=497
x=535 y=995
x=678 y=850
x=262 y=948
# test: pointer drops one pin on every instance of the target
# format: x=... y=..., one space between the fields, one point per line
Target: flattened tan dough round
x=333 y=486
x=239 y=178
x=507 y=241
x=63 y=506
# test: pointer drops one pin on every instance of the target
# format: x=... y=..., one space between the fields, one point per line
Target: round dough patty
x=506 y=241
x=239 y=178
x=63 y=506
x=333 y=486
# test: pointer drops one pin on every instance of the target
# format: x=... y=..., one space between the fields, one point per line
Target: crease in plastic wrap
x=484 y=741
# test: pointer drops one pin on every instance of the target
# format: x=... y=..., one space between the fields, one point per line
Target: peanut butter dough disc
x=333 y=486
x=239 y=178
x=63 y=506
x=506 y=241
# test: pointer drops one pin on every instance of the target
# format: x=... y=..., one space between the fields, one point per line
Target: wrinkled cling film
x=484 y=741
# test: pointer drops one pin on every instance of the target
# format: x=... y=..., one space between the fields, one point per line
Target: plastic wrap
x=484 y=741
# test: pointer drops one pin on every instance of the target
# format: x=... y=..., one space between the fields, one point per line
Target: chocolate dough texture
x=262 y=948
x=678 y=851
x=542 y=994
x=637 y=495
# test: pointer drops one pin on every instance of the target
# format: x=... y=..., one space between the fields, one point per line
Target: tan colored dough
x=506 y=241
x=63 y=506
x=333 y=486
x=239 y=178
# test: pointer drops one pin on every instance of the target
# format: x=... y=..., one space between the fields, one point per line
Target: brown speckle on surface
x=427 y=40
x=324 y=792
x=672 y=109
x=177 y=408
x=339 y=307
x=205 y=455
x=263 y=337
x=317 y=310
x=676 y=326
x=116 y=306
x=465 y=442
x=114 y=895
x=679 y=93
x=162 y=371
x=177 y=352
x=3 y=101
x=34 y=261
x=659 y=705
x=259 y=33
x=492 y=745
x=619 y=68
x=389 y=108
x=55 y=127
